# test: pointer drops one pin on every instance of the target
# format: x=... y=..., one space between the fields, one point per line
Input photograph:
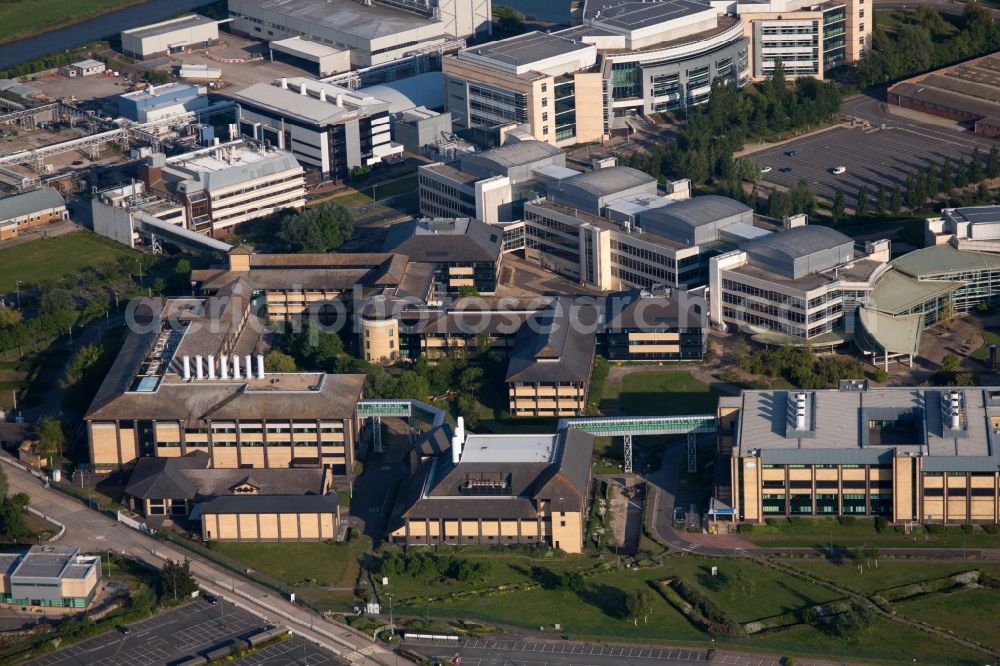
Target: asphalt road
x=185 y=632
x=547 y=653
x=94 y=532
x=895 y=147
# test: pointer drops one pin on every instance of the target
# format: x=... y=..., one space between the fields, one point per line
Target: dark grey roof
x=556 y=344
x=27 y=203
x=643 y=310
x=498 y=160
x=271 y=504
x=605 y=182
x=445 y=240
x=799 y=241
x=268 y=481
x=162 y=478
x=640 y=14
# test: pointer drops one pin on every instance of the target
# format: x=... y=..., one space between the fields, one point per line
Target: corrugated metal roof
x=943 y=259
x=27 y=203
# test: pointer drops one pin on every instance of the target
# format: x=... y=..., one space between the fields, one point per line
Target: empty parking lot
x=179 y=633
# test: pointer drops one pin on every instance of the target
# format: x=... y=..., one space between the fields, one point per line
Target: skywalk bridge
x=604 y=426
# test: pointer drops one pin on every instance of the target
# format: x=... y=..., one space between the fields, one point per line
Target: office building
x=189 y=379
x=498 y=490
x=645 y=326
x=660 y=242
x=89 y=67
x=271 y=518
x=158 y=102
x=168 y=37
x=490 y=186
x=317 y=59
x=327 y=128
x=50 y=577
x=924 y=454
x=465 y=253
x=974 y=228
x=30 y=210
x=378 y=32
x=550 y=365
x=223 y=186
x=121 y=213
x=809 y=39
x=802 y=284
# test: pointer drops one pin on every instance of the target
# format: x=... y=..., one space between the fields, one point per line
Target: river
x=99 y=27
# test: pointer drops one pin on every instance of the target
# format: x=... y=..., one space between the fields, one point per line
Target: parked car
x=837 y=170
x=125 y=631
x=785 y=169
x=765 y=169
x=212 y=599
x=792 y=153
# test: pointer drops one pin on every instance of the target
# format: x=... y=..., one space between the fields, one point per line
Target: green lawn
x=662 y=392
x=507 y=568
x=333 y=565
x=51 y=258
x=989 y=338
x=890 y=572
x=25 y=17
x=824 y=532
x=969 y=613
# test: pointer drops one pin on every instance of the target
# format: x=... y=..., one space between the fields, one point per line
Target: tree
x=176 y=579
x=323 y=228
x=13 y=515
x=946 y=177
x=881 y=201
x=976 y=167
x=278 y=361
x=950 y=363
x=837 y=211
x=862 y=208
x=983 y=193
x=947 y=314
x=639 y=604
x=961 y=174
x=856 y=623
x=896 y=201
x=573 y=581
x=3 y=484
x=993 y=163
x=9 y=317
x=51 y=440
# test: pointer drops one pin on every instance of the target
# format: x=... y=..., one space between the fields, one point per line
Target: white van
x=836 y=171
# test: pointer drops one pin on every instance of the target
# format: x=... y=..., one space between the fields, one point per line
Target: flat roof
x=509 y=449
x=304 y=46
x=944 y=259
x=166 y=27
x=527 y=48
x=26 y=203
x=86 y=64
x=347 y=16
x=636 y=14
x=290 y=103
x=45 y=561
x=159 y=91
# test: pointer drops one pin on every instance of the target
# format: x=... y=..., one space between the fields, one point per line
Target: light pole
x=17 y=287
x=392 y=628
x=139 y=262
x=116 y=302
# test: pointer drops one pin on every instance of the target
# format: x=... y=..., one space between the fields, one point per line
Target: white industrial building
x=88 y=67
x=317 y=59
x=375 y=33
x=975 y=228
x=173 y=36
x=326 y=127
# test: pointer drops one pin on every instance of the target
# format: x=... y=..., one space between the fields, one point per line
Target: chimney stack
x=284 y=83
x=322 y=95
x=260 y=366
x=199 y=372
x=302 y=89
x=224 y=369
x=187 y=368
x=236 y=366
x=211 y=367
x=248 y=368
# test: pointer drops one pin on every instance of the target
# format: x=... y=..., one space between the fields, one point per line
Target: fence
x=62 y=528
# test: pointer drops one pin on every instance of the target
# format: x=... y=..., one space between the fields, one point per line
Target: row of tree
x=731 y=117
x=927 y=40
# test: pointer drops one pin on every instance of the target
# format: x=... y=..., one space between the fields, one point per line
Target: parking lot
x=871 y=157
x=179 y=633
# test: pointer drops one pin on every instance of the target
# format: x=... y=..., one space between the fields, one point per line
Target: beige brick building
x=499 y=490
x=270 y=518
x=929 y=455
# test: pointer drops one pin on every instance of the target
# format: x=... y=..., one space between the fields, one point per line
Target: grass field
x=26 y=17
x=989 y=338
x=890 y=573
x=971 y=613
x=332 y=565
x=661 y=392
x=51 y=258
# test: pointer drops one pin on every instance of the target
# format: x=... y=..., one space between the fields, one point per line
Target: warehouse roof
x=29 y=203
x=605 y=182
x=167 y=27
x=800 y=241
x=346 y=16
x=516 y=154
x=291 y=104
